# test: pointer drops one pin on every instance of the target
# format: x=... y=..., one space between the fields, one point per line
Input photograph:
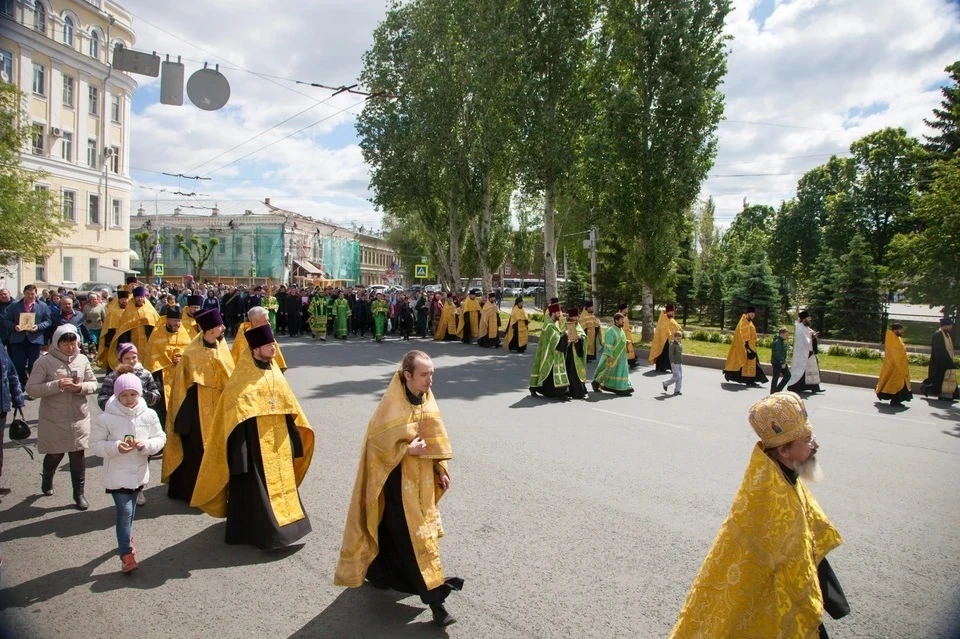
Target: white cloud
x=827 y=71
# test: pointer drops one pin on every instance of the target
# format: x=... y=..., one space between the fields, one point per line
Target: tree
x=856 y=299
x=523 y=240
x=29 y=217
x=946 y=120
x=147 y=244
x=657 y=80
x=822 y=292
x=197 y=252
x=928 y=259
x=686 y=266
x=552 y=49
x=753 y=285
x=794 y=242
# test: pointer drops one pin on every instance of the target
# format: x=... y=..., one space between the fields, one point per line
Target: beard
x=809 y=470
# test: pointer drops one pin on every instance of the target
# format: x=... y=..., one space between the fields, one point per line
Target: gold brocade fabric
x=759 y=580
x=448 y=321
x=132 y=322
x=191 y=325
x=241 y=349
x=209 y=369
x=737 y=359
x=469 y=312
x=517 y=322
x=895 y=372
x=266 y=395
x=111 y=319
x=666 y=327
x=161 y=347
x=591 y=326
x=391 y=429
x=631 y=351
x=488 y=320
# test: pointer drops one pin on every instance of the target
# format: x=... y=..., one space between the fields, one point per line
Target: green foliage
x=946 y=120
x=146 y=242
x=840 y=351
x=823 y=289
x=867 y=353
x=855 y=309
x=197 y=252
x=751 y=285
x=29 y=218
x=575 y=289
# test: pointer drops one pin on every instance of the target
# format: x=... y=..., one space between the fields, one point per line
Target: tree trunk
x=549 y=244
x=646 y=313
x=481 y=228
x=453 y=216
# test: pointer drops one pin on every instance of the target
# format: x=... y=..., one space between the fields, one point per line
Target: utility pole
x=592 y=245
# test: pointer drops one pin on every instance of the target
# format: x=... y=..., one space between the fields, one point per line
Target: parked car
x=433 y=288
x=533 y=290
x=512 y=292
x=377 y=288
x=476 y=290
x=89 y=287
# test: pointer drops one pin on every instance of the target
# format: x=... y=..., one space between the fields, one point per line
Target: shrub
x=867 y=353
x=726 y=338
x=765 y=342
x=700 y=335
x=840 y=351
x=716 y=338
x=536 y=317
x=918 y=359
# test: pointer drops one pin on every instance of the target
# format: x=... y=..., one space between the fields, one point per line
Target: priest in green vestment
x=379 y=308
x=613 y=373
x=341 y=316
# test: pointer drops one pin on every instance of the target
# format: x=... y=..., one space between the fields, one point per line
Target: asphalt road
x=581 y=519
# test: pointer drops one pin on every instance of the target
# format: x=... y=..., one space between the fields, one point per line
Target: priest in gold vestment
x=667 y=327
x=189 y=312
x=894 y=380
x=490 y=323
x=743 y=363
x=164 y=349
x=591 y=326
x=393 y=530
x=469 y=326
x=108 y=334
x=257 y=316
x=767 y=576
x=632 y=360
x=258 y=452
x=202 y=374
x=135 y=326
x=516 y=335
x=447 y=326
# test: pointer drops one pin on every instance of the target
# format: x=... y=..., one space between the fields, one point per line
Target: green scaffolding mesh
x=341 y=259
x=241 y=252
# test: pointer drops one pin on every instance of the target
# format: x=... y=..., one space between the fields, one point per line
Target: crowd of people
x=235 y=443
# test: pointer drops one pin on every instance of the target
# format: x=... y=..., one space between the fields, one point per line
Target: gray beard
x=809 y=470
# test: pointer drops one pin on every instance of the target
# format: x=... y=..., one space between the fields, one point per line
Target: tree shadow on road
x=367 y=613
x=82 y=523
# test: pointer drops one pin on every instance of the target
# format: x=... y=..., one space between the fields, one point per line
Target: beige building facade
x=58 y=54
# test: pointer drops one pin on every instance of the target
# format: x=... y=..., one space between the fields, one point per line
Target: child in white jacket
x=126 y=434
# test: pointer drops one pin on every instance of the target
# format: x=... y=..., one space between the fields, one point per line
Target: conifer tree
x=856 y=300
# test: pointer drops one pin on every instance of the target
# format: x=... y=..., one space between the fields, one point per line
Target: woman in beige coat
x=62 y=379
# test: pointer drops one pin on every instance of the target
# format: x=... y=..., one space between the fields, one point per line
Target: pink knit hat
x=125 y=382
x=123 y=349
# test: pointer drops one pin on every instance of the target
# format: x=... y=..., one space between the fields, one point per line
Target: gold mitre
x=779 y=419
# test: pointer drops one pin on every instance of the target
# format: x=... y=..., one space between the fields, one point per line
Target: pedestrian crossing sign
x=420 y=271
x=158 y=270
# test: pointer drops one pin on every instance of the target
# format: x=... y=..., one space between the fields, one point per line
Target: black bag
x=20 y=430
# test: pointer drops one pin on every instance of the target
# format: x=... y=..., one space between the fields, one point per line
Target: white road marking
x=853 y=412
x=641 y=419
x=386 y=361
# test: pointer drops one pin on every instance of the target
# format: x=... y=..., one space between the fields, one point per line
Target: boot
x=78 y=472
x=50 y=465
x=440 y=615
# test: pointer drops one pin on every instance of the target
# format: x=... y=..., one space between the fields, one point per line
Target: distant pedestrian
x=779 y=361
x=941 y=381
x=676 y=364
x=125 y=435
x=27 y=321
x=93 y=315
x=11 y=398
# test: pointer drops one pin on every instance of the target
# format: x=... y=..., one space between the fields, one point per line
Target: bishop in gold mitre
x=164 y=348
x=258 y=454
x=393 y=530
x=767 y=576
x=201 y=376
x=257 y=316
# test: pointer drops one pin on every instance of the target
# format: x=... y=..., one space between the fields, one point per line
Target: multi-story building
x=259 y=242
x=58 y=54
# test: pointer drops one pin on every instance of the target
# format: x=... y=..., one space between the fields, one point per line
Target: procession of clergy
x=239 y=445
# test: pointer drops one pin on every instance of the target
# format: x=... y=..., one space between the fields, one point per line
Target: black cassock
x=186 y=426
x=161 y=408
x=250 y=518
x=663 y=360
x=940 y=363
x=294 y=308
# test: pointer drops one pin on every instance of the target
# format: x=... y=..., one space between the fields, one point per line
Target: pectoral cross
x=273 y=403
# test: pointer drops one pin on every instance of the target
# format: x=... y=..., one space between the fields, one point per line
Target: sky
x=805 y=79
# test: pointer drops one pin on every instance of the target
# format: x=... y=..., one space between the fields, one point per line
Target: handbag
x=20 y=430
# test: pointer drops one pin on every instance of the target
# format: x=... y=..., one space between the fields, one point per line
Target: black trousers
x=778 y=370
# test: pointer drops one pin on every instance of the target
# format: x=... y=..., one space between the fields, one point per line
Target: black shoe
x=4 y=490
x=533 y=392
x=596 y=386
x=440 y=615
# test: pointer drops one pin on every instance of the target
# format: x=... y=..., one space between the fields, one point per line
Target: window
x=238 y=245
x=6 y=66
x=37 y=138
x=39 y=17
x=92 y=153
x=68 y=31
x=508 y=270
x=67 y=269
x=39 y=79
x=115 y=108
x=41 y=274
x=93 y=210
x=116 y=213
x=94 y=268
x=94 y=100
x=6 y=7
x=94 y=45
x=115 y=159
x=69 y=201
x=66 y=148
